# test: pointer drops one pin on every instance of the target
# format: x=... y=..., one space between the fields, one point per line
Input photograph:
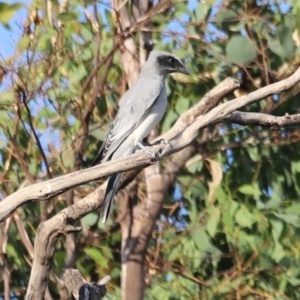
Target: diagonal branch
x=218 y=113
x=35 y=134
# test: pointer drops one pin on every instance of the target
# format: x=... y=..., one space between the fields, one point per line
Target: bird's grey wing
x=133 y=108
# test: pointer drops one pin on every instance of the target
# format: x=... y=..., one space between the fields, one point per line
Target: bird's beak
x=184 y=70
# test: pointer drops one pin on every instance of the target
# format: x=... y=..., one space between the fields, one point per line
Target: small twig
x=35 y=134
x=252 y=118
x=23 y=233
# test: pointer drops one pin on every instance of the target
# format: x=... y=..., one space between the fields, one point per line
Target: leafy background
x=229 y=228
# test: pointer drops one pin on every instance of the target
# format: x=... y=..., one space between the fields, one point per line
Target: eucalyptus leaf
x=240 y=50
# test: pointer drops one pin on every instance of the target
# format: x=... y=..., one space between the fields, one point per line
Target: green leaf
x=213 y=222
x=233 y=208
x=290 y=219
x=285 y=35
x=278 y=252
x=45 y=41
x=248 y=189
x=240 y=50
x=225 y=16
x=201 y=12
x=6 y=120
x=244 y=217
x=294 y=208
x=295 y=168
x=97 y=256
x=90 y=219
x=169 y=119
x=87 y=34
x=277 y=228
x=294 y=281
x=181 y=10
x=195 y=167
x=78 y=73
x=87 y=54
x=175 y=253
x=227 y=20
x=23 y=43
x=202 y=241
x=14 y=253
x=7 y=97
x=182 y=105
x=68 y=16
x=161 y=292
x=253 y=153
x=275 y=46
x=7 y=11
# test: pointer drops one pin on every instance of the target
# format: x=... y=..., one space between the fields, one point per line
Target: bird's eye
x=172 y=60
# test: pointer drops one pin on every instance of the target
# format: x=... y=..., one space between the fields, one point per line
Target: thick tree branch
x=46 y=237
x=218 y=113
x=46 y=190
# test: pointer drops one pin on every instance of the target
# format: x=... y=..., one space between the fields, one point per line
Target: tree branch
x=275 y=122
x=218 y=113
x=46 y=190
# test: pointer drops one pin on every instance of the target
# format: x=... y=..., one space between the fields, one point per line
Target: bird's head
x=166 y=63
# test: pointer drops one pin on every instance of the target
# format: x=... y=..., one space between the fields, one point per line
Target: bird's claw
x=163 y=142
x=146 y=150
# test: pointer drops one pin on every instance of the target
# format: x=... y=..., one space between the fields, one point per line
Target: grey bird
x=140 y=109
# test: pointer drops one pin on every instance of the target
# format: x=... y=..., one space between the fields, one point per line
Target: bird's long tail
x=112 y=186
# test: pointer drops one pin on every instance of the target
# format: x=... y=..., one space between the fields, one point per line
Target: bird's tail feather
x=112 y=185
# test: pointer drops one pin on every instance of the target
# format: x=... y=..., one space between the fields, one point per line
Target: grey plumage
x=140 y=109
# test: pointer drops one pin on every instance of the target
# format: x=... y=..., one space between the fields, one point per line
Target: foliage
x=237 y=239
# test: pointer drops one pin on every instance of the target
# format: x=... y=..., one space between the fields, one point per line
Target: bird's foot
x=146 y=150
x=162 y=142
x=159 y=142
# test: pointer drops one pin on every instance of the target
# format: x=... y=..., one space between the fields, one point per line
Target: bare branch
x=45 y=190
x=218 y=113
x=46 y=237
x=275 y=122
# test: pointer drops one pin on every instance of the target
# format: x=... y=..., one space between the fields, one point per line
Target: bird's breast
x=153 y=117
